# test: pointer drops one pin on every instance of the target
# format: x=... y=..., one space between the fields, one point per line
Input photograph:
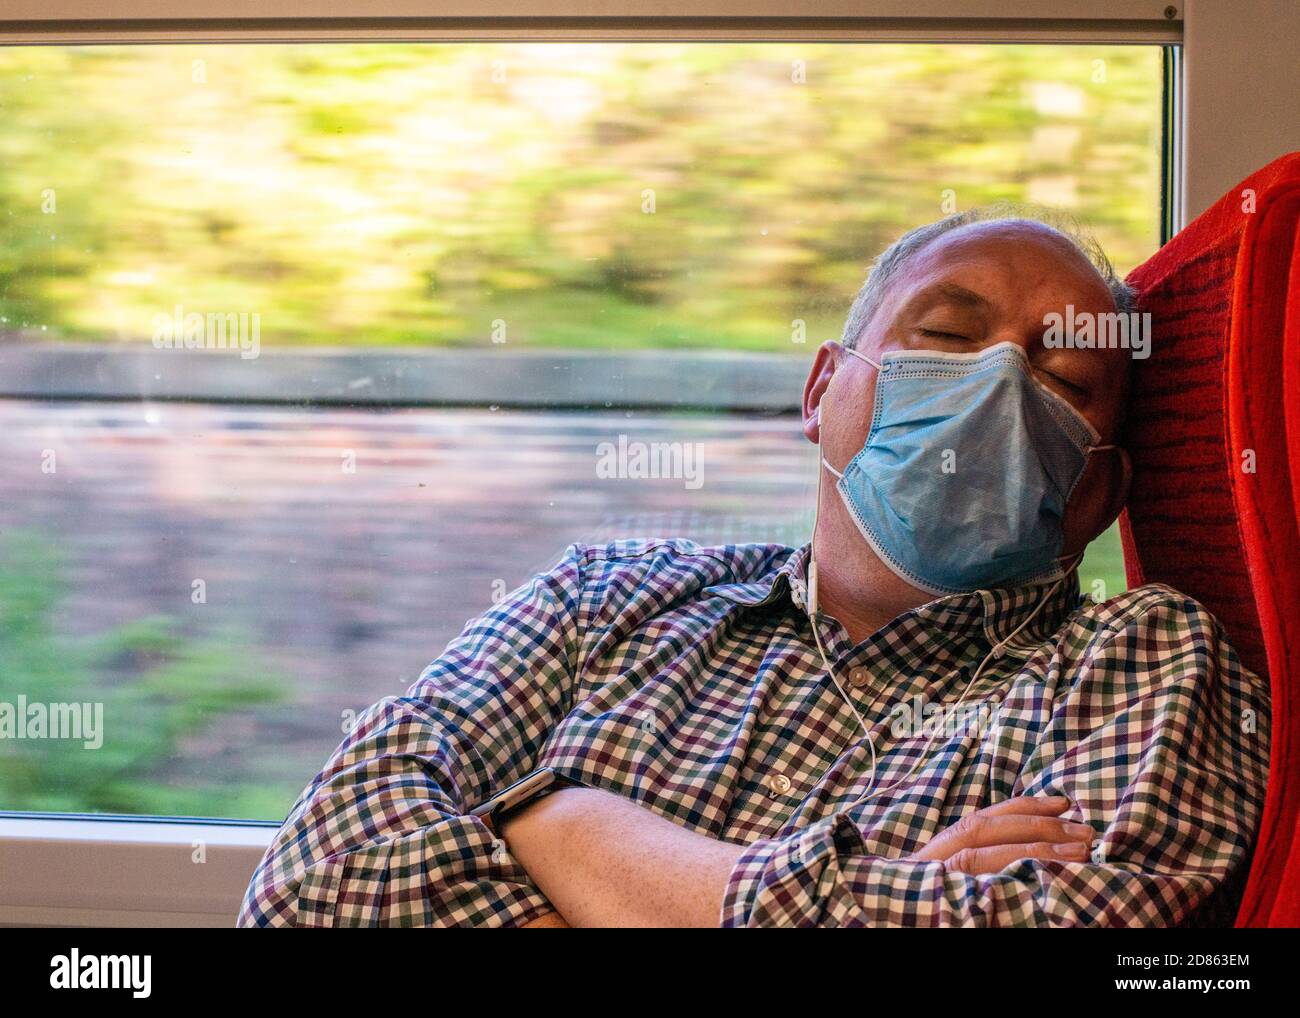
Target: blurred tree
x=605 y=195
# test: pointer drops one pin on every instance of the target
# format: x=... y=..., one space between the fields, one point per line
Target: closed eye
x=936 y=334
x=1076 y=389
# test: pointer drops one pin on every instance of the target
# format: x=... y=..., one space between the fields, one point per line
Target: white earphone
x=998 y=650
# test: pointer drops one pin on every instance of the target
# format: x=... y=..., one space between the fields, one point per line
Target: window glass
x=309 y=352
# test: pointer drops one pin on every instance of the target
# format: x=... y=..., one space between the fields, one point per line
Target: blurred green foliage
x=162 y=693
x=1101 y=573
x=413 y=193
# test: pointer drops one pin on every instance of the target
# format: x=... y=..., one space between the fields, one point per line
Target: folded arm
x=605 y=861
x=1184 y=757
x=380 y=836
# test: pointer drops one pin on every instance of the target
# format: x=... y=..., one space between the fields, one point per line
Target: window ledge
x=82 y=871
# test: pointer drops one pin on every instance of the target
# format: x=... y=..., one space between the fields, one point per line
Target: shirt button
x=859 y=678
x=779 y=784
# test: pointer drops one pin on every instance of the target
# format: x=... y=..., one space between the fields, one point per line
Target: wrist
x=533 y=786
x=542 y=815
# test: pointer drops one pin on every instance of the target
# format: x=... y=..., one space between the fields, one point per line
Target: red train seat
x=1214 y=431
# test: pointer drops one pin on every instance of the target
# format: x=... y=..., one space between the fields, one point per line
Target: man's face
x=969 y=289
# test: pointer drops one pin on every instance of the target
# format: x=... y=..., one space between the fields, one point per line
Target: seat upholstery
x=1214 y=432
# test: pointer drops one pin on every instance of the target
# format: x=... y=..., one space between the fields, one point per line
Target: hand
x=1026 y=827
x=546 y=921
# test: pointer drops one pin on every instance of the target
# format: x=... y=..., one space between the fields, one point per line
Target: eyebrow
x=957 y=294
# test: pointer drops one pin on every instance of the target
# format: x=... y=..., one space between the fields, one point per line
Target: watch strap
x=494 y=811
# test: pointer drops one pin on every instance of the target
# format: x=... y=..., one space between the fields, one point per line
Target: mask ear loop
x=1087 y=452
x=817 y=505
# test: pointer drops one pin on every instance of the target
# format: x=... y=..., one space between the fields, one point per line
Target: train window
x=310 y=351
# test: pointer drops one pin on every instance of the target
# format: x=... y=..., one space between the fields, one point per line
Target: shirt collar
x=994 y=614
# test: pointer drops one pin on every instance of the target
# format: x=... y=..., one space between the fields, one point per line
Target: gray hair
x=894 y=257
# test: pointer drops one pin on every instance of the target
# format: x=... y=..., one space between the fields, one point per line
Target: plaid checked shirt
x=685 y=678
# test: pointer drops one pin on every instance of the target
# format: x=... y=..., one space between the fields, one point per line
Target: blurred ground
x=345 y=585
x=337 y=588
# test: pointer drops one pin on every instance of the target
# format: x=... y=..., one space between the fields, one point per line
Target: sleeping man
x=916 y=719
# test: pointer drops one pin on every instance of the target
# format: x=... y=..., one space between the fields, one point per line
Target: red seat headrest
x=1214 y=431
x=1182 y=525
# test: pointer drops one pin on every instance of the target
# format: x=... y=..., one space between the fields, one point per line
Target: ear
x=819 y=379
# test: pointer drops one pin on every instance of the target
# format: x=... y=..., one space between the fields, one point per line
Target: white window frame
x=1234 y=111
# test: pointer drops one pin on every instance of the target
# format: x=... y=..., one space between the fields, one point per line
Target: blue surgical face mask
x=967 y=469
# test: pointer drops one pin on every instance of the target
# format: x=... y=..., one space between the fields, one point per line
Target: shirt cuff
x=790 y=881
x=454 y=872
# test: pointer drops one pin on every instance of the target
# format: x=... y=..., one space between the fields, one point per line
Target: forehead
x=1025 y=260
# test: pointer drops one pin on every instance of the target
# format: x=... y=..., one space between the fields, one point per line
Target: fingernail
x=1075 y=849
x=1079 y=829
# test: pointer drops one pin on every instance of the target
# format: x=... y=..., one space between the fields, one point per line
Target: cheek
x=1088 y=501
x=847 y=420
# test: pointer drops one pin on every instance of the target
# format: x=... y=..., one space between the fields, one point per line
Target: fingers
x=998 y=857
x=1031 y=805
x=1013 y=823
x=983 y=831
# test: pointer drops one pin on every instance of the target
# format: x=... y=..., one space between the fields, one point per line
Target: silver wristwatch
x=527 y=789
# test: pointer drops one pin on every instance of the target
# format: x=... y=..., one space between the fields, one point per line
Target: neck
x=853 y=585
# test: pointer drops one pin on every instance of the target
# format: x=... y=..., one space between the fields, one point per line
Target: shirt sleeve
x=380 y=836
x=1163 y=742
